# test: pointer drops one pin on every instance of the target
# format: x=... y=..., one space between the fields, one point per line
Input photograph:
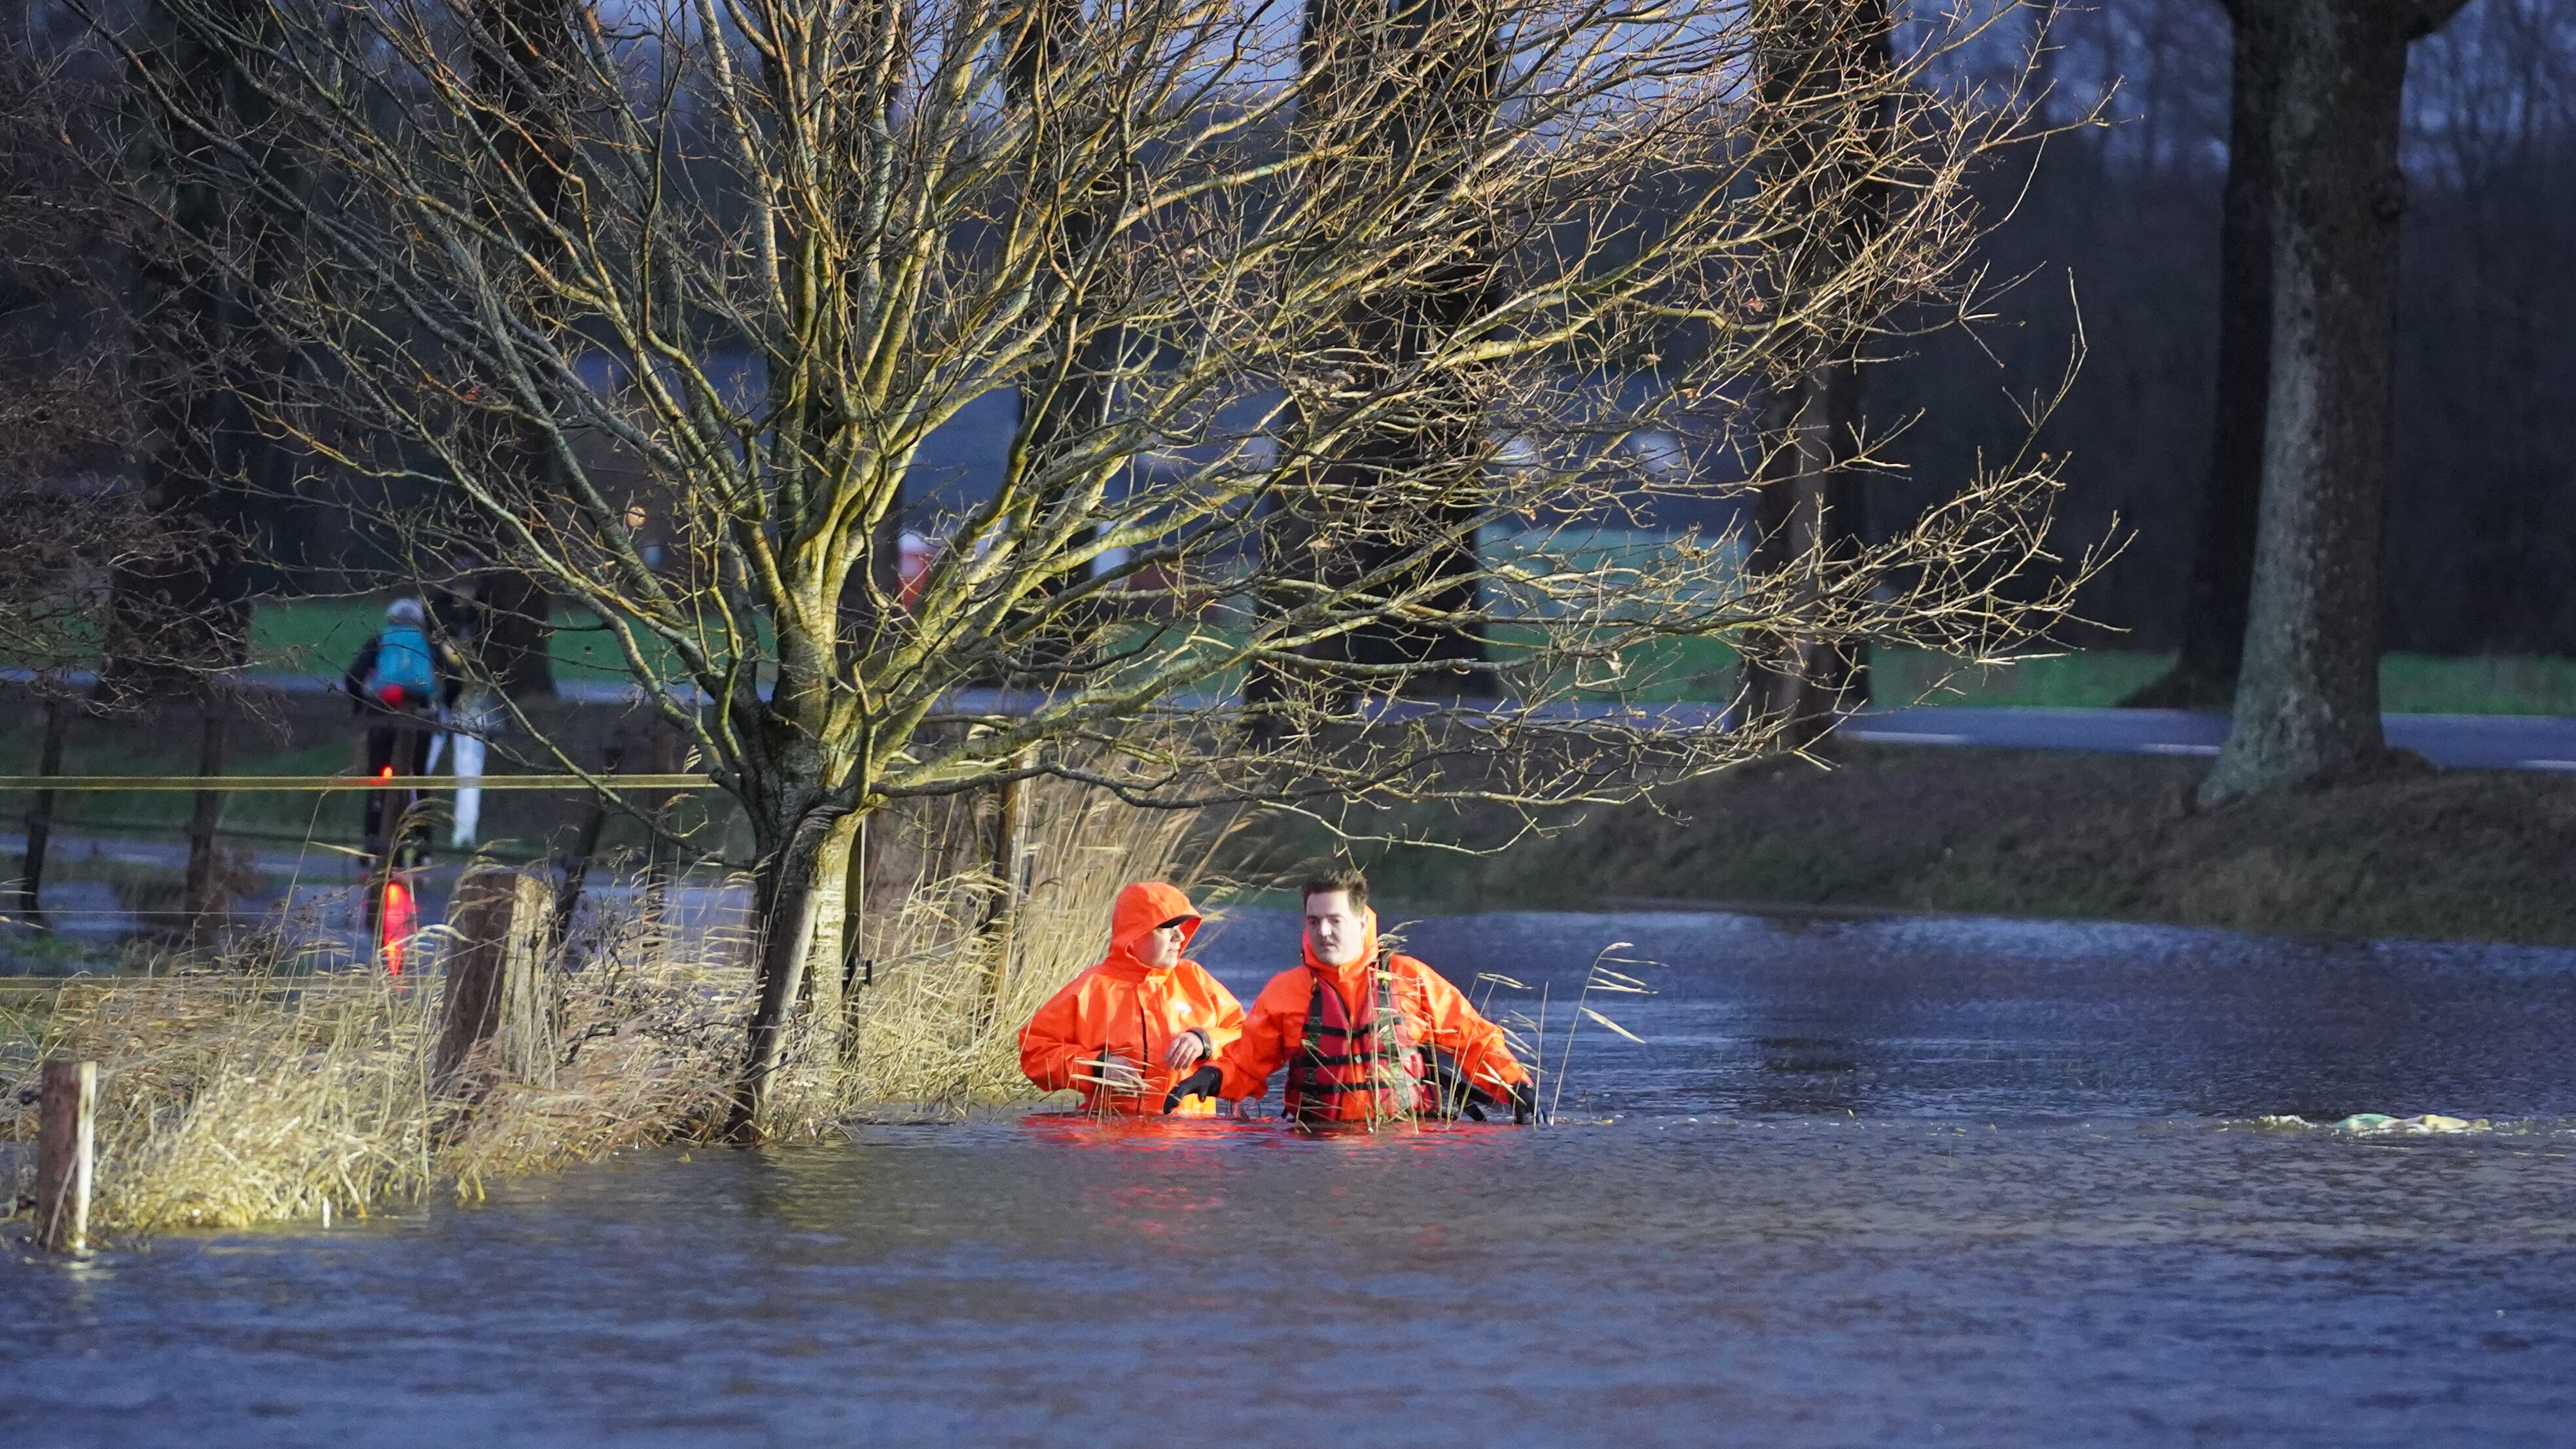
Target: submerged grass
x=269 y=1082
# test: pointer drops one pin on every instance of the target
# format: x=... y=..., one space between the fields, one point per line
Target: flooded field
x=1898 y=1181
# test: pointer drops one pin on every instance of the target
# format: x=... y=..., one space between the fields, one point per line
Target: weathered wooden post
x=496 y=981
x=65 y=1138
x=1010 y=864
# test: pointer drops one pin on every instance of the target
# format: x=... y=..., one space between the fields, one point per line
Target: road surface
x=2452 y=741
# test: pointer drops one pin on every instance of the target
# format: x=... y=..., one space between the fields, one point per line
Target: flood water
x=1866 y=1183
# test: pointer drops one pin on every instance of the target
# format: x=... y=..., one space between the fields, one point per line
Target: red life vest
x=1375 y=1058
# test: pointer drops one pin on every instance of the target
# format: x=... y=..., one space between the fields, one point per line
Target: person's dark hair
x=1346 y=878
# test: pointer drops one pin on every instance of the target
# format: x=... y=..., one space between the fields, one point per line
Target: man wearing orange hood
x=1350 y=1022
x=1135 y=1033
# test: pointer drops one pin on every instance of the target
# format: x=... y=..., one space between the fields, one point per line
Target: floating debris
x=2380 y=1124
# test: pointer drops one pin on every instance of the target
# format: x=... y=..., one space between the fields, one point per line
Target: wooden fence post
x=205 y=899
x=65 y=1138
x=40 y=813
x=576 y=868
x=1010 y=863
x=496 y=981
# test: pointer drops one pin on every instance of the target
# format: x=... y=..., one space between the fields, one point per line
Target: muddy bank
x=2460 y=855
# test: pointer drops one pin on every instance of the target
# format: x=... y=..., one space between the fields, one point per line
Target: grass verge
x=2459 y=855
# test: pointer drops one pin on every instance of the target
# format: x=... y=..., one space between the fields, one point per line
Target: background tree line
x=2481 y=535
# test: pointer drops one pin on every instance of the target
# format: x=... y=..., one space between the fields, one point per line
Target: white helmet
x=405 y=610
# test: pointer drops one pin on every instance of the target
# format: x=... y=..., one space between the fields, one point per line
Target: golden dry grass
x=940 y=1025
x=255 y=1087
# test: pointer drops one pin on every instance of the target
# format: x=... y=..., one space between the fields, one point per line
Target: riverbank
x=2465 y=855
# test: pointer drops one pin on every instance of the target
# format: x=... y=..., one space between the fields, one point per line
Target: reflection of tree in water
x=1808 y=1074
x=1821 y=1036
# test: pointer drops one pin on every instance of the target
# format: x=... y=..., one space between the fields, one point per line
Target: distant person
x=1137 y=1033
x=1354 y=1025
x=394 y=683
x=914 y=556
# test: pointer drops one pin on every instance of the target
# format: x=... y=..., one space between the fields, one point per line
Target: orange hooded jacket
x=1121 y=1006
x=1438 y=1013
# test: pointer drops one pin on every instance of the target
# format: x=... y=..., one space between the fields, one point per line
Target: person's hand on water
x=1186 y=1050
x=1525 y=1108
x=1201 y=1083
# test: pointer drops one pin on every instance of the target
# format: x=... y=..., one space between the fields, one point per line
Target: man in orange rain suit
x=1351 y=1021
x=1132 y=1033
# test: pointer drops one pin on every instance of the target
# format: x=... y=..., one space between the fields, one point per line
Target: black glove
x=1201 y=1083
x=1525 y=1108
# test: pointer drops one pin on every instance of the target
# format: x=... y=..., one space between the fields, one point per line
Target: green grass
x=2481 y=684
x=2093 y=678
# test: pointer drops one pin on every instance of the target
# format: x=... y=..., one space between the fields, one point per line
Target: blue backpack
x=403 y=662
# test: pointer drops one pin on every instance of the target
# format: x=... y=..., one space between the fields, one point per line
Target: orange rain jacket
x=1123 y=1007
x=1436 y=1011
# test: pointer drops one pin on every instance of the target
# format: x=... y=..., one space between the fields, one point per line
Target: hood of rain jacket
x=1140 y=909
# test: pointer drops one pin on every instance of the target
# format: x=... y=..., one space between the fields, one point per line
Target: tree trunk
x=797 y=1017
x=2222 y=564
x=178 y=612
x=1809 y=504
x=2307 y=706
x=1808 y=508
x=527 y=47
x=1383 y=81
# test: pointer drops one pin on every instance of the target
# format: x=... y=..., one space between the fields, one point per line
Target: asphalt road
x=2452 y=741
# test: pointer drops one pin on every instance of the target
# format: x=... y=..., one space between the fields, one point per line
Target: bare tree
x=98 y=577
x=2307 y=706
x=797 y=236
x=1820 y=75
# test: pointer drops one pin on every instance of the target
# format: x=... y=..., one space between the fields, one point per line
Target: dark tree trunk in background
x=40 y=813
x=1810 y=501
x=178 y=612
x=2307 y=704
x=527 y=45
x=2222 y=561
x=1444 y=58
x=518 y=650
x=1062 y=412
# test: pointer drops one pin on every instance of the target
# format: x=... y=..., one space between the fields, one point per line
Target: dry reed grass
x=262 y=1085
x=256 y=1088
x=958 y=966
